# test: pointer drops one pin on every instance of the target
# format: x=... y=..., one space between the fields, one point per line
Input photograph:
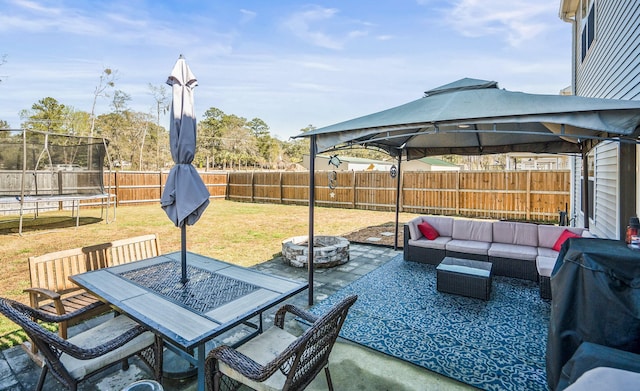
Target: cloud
x=33 y=17
x=111 y=24
x=301 y=24
x=247 y=16
x=516 y=20
x=320 y=65
x=33 y=6
x=312 y=87
x=386 y=37
x=321 y=27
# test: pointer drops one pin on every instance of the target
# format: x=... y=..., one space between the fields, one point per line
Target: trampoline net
x=53 y=164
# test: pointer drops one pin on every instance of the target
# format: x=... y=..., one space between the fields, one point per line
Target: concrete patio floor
x=352 y=366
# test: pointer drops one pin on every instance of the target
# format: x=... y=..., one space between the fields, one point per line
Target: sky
x=290 y=63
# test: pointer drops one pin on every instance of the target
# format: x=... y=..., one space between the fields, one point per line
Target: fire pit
x=328 y=251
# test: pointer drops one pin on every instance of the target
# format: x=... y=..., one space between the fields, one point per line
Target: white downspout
x=574 y=46
x=571 y=18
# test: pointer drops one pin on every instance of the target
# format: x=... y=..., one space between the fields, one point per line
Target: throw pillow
x=566 y=234
x=428 y=231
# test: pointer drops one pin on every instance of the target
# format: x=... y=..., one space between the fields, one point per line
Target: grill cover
x=595 y=286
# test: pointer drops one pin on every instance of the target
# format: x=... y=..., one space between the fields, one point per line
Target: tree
x=126 y=131
x=46 y=115
x=3 y=60
x=120 y=101
x=136 y=126
x=106 y=80
x=3 y=124
x=295 y=149
x=11 y=155
x=79 y=122
x=268 y=147
x=237 y=141
x=161 y=98
x=210 y=137
x=158 y=136
x=226 y=139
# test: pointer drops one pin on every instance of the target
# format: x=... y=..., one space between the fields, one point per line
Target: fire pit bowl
x=328 y=251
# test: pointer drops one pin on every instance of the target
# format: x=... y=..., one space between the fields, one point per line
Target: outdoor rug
x=493 y=345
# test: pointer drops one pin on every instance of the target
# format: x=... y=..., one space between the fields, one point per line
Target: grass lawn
x=242 y=233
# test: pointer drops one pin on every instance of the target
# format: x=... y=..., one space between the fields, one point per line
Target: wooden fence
x=144 y=187
x=519 y=195
x=516 y=195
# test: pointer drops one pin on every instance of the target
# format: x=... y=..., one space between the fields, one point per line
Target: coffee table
x=464 y=277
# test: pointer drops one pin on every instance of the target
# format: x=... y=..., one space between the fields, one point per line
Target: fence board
x=295 y=188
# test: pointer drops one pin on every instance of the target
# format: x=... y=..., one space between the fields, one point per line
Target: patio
x=352 y=366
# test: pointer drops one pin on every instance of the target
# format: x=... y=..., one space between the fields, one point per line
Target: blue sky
x=290 y=63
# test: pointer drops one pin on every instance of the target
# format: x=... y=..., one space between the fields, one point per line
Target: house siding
x=605 y=219
x=610 y=69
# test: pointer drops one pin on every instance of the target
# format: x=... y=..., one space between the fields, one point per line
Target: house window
x=588 y=30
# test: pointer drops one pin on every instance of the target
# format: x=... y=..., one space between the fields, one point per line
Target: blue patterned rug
x=493 y=345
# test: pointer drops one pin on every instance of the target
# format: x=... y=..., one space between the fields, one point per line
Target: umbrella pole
x=183 y=234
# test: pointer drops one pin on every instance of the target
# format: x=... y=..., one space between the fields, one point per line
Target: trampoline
x=44 y=171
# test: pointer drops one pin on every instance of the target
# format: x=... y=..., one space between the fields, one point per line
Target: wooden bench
x=52 y=291
x=133 y=249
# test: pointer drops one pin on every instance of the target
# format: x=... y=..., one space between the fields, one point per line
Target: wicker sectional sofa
x=519 y=250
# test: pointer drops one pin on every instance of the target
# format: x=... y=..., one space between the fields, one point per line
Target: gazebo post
x=398 y=176
x=312 y=197
x=585 y=186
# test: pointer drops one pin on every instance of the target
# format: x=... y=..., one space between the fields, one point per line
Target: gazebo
x=475 y=117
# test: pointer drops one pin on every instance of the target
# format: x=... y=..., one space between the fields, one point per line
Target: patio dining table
x=218 y=297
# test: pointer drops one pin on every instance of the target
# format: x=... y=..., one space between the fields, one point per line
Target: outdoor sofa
x=520 y=250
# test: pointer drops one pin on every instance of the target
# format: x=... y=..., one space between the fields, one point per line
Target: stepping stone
x=387 y=233
x=373 y=239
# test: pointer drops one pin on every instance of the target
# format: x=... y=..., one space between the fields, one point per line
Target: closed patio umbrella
x=185 y=197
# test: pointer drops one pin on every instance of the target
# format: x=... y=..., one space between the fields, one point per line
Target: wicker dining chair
x=71 y=361
x=277 y=360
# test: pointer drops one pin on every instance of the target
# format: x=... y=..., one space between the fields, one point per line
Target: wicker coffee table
x=464 y=277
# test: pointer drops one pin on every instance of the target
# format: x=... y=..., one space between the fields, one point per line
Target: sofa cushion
x=548 y=234
x=438 y=243
x=566 y=234
x=428 y=231
x=442 y=224
x=468 y=246
x=510 y=232
x=474 y=230
x=545 y=265
x=414 y=232
x=547 y=252
x=513 y=251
